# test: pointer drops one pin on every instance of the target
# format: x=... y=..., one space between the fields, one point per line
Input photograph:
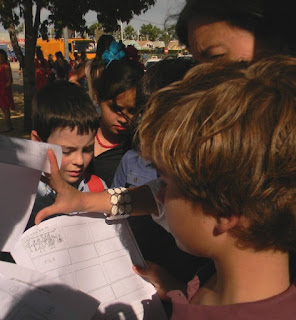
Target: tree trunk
x=29 y=68
x=16 y=48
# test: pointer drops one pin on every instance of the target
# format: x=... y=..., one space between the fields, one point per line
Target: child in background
x=224 y=142
x=116 y=95
x=61 y=67
x=63 y=114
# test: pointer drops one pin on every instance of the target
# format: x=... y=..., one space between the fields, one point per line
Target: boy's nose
x=78 y=159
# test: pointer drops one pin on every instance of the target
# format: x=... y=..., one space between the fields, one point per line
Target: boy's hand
x=68 y=198
x=160 y=278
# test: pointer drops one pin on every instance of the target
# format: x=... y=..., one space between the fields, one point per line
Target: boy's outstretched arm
x=71 y=200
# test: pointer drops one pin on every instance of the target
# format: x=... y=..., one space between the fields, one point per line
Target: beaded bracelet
x=121 y=204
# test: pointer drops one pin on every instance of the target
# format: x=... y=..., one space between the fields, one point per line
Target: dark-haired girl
x=116 y=94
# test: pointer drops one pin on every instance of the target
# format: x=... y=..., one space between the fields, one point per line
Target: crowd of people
x=199 y=155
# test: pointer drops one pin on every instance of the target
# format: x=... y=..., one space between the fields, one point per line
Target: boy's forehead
x=68 y=134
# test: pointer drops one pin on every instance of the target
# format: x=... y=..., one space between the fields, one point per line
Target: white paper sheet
x=95 y=257
x=27 y=294
x=21 y=164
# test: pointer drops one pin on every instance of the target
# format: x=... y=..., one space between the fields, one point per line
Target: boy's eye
x=66 y=152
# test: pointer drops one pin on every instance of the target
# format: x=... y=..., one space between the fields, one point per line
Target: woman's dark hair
x=156 y=77
x=118 y=77
x=4 y=53
x=245 y=14
x=102 y=44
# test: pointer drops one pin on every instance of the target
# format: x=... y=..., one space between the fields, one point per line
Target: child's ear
x=35 y=136
x=225 y=224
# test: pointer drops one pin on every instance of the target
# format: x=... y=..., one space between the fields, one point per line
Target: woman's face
x=209 y=40
x=116 y=115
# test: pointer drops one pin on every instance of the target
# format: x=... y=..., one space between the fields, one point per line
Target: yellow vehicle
x=51 y=46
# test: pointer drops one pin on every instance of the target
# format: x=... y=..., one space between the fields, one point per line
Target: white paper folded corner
x=21 y=164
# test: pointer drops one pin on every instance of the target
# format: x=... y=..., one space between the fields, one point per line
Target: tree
x=12 y=11
x=129 y=33
x=149 y=32
x=93 y=28
x=168 y=34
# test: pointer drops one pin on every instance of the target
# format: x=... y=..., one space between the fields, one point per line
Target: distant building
x=146 y=45
x=159 y=44
x=132 y=43
x=175 y=45
x=5 y=39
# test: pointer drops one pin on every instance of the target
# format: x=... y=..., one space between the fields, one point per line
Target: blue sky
x=156 y=15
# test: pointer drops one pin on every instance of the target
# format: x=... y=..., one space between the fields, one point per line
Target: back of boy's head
x=160 y=75
x=63 y=104
x=156 y=77
x=227 y=136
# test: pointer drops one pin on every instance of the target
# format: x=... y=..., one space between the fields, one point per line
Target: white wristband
x=121 y=204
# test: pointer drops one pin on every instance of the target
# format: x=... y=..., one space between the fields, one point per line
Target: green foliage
x=20 y=28
x=149 y=32
x=7 y=16
x=129 y=33
x=168 y=34
x=71 y=13
x=110 y=11
x=93 y=28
